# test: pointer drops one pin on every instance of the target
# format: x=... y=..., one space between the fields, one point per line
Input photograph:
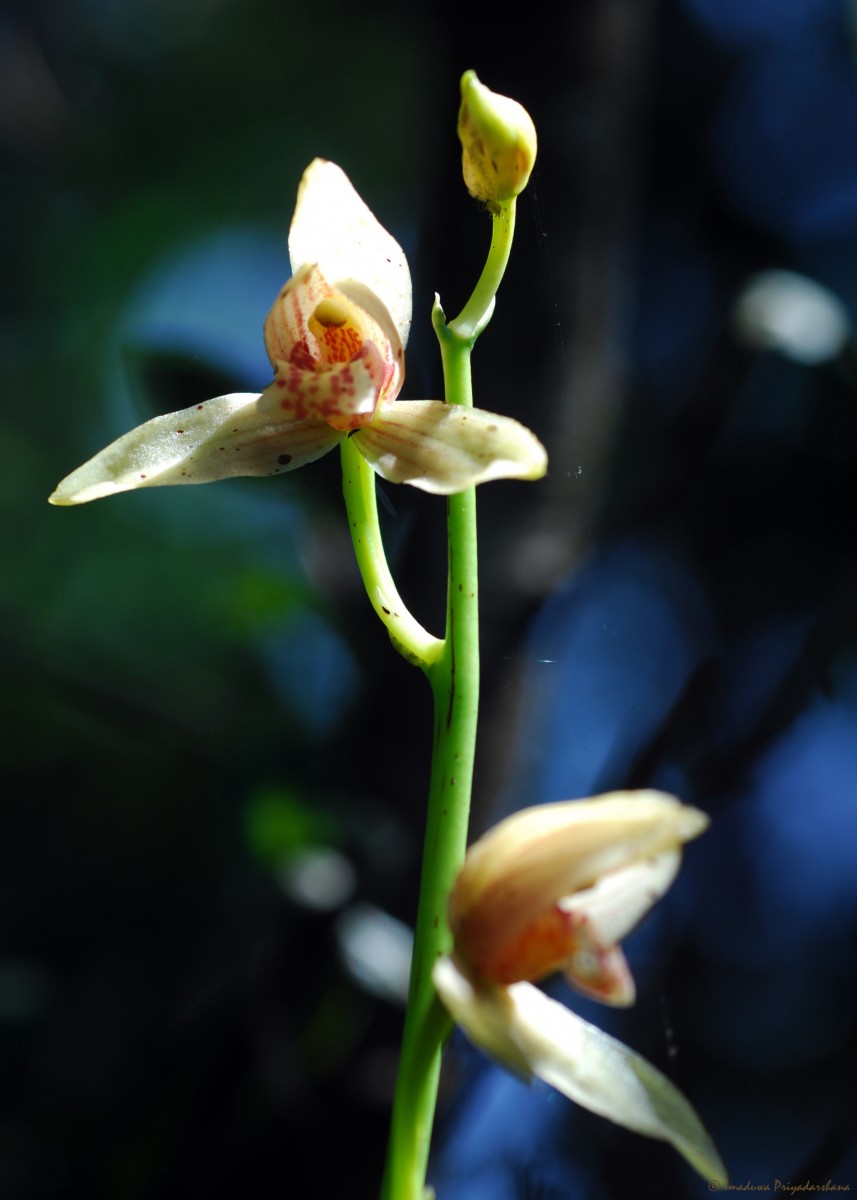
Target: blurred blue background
x=214 y=768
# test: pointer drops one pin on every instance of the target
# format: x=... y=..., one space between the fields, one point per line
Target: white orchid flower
x=335 y=337
x=552 y=888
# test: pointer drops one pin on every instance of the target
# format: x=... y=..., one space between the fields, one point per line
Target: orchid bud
x=498 y=142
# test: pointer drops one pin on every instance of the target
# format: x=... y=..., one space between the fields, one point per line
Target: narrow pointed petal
x=443 y=449
x=535 y=1036
x=215 y=440
x=336 y=229
x=517 y=871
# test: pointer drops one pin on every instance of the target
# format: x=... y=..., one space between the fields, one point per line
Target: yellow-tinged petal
x=531 y=1034
x=335 y=228
x=443 y=448
x=223 y=437
x=514 y=896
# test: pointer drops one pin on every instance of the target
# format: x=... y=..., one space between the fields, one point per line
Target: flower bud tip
x=498 y=141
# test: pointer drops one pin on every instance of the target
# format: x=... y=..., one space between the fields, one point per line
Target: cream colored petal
x=442 y=448
x=617 y=902
x=541 y=854
x=286 y=329
x=333 y=227
x=605 y=913
x=535 y=1036
x=483 y=1014
x=215 y=440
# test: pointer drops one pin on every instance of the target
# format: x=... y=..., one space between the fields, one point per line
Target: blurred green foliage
x=156 y=766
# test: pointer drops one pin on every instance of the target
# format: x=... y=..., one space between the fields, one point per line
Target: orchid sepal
x=537 y=1037
x=444 y=448
x=426 y=443
x=218 y=439
x=335 y=229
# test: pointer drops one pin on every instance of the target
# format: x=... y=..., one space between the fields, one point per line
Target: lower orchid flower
x=335 y=337
x=552 y=888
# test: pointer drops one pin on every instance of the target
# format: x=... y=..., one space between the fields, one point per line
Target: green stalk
x=477 y=311
x=406 y=633
x=454 y=679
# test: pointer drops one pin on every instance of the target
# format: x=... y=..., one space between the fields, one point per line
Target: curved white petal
x=535 y=1036
x=618 y=901
x=444 y=448
x=336 y=229
x=223 y=437
x=603 y=914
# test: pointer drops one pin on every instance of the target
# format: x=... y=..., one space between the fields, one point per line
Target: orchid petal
x=533 y=1035
x=602 y=915
x=601 y=972
x=287 y=326
x=334 y=228
x=443 y=448
x=617 y=902
x=223 y=437
x=516 y=871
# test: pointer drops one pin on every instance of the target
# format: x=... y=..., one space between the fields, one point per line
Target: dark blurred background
x=214 y=768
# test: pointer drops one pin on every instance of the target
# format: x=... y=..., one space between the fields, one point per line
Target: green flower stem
x=454 y=679
x=406 y=633
x=477 y=311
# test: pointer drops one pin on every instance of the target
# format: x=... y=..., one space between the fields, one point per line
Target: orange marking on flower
x=340 y=344
x=547 y=942
x=555 y=940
